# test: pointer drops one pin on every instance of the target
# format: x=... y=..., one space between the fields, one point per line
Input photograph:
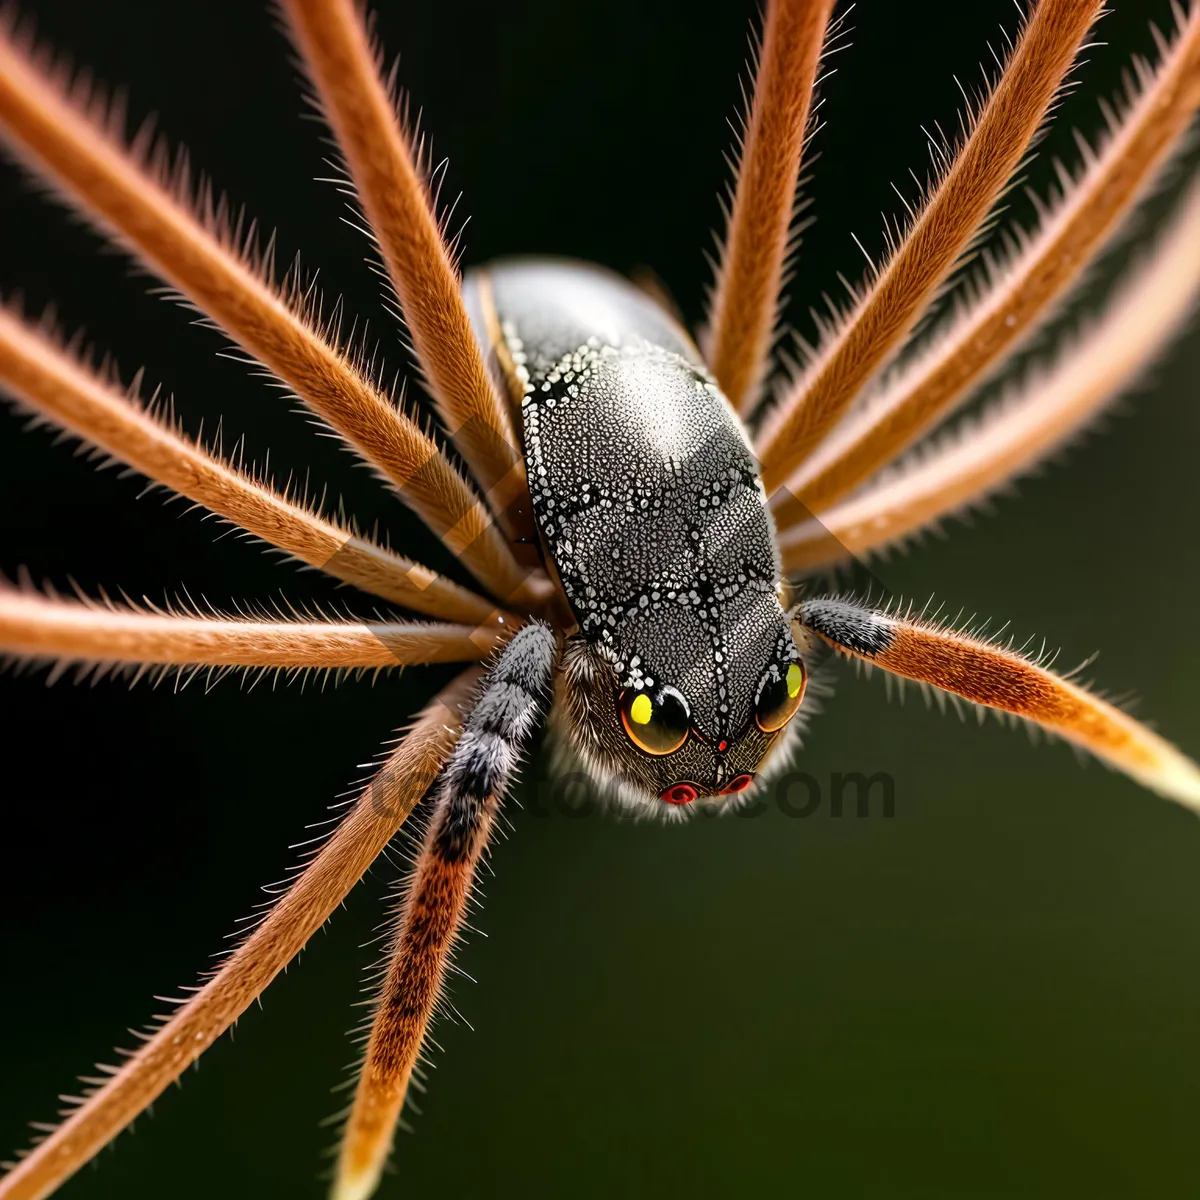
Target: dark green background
x=992 y=994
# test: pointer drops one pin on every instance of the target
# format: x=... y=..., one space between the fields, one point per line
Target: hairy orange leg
x=1023 y=430
x=433 y=913
x=394 y=194
x=510 y=705
x=33 y=626
x=1070 y=238
x=997 y=677
x=902 y=289
x=98 y=176
x=277 y=939
x=746 y=299
x=52 y=383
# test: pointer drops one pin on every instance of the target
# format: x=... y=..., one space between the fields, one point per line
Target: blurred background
x=992 y=993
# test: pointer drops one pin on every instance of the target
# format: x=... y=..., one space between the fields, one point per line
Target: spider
x=629 y=506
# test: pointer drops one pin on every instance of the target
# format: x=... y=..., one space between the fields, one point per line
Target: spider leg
x=1023 y=293
x=40 y=627
x=901 y=290
x=1023 y=430
x=280 y=935
x=58 y=387
x=744 y=310
x=393 y=190
x=999 y=678
x=99 y=177
x=511 y=704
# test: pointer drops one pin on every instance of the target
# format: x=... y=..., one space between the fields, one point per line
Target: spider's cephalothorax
x=683 y=674
x=611 y=489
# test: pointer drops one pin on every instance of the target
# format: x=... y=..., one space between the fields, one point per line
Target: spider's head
x=668 y=714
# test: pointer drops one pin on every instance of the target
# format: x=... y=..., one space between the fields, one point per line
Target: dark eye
x=657 y=723
x=779 y=696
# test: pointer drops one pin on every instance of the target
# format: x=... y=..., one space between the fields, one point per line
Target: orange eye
x=779 y=697
x=656 y=724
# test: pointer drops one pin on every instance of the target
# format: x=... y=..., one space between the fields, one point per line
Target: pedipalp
x=1001 y=678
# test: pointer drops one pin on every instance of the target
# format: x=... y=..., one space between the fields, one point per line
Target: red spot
x=679 y=793
x=722 y=745
x=739 y=783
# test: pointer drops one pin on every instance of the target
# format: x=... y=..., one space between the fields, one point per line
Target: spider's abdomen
x=644 y=490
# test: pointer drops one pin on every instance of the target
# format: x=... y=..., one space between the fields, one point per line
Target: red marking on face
x=722 y=745
x=679 y=793
x=739 y=783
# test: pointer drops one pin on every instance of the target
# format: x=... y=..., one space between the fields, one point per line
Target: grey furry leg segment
x=860 y=630
x=512 y=703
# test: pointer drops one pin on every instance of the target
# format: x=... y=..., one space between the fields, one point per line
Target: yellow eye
x=656 y=724
x=779 y=697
